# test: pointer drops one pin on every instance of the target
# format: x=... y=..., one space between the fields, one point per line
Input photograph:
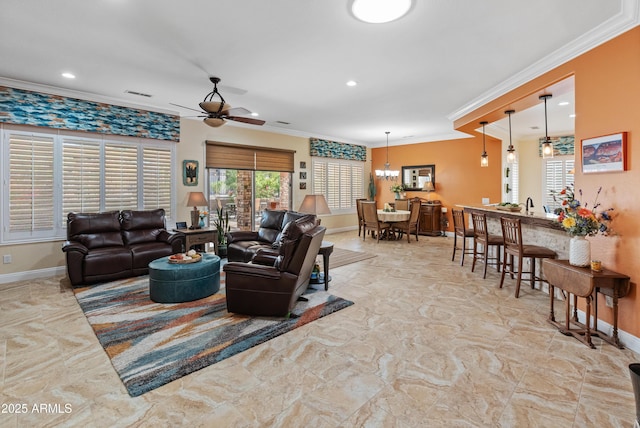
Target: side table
x=583 y=282
x=199 y=237
x=326 y=248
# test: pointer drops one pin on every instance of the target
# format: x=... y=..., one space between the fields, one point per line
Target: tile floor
x=427 y=343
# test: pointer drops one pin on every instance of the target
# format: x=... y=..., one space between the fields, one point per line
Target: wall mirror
x=414 y=177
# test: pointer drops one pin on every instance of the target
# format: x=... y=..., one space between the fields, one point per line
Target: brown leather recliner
x=112 y=245
x=242 y=245
x=271 y=284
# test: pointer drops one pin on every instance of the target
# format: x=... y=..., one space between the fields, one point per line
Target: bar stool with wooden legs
x=461 y=230
x=513 y=247
x=482 y=237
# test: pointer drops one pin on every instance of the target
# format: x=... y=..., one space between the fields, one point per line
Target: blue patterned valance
x=54 y=111
x=561 y=145
x=332 y=149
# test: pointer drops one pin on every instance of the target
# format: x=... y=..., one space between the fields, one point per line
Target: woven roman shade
x=236 y=156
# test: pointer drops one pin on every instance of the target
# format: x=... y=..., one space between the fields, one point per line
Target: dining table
x=393 y=217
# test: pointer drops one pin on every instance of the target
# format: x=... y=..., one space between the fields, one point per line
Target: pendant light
x=387 y=173
x=547 y=146
x=511 y=151
x=484 y=158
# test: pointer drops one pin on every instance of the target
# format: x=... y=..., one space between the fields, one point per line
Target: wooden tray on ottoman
x=193 y=259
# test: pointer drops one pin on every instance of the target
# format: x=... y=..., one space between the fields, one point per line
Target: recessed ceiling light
x=68 y=75
x=380 y=11
x=254 y=114
x=563 y=103
x=352 y=83
x=572 y=115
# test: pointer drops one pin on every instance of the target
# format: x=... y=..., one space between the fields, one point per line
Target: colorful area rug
x=151 y=344
x=342 y=257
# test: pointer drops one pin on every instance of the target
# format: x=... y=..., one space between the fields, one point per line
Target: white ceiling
x=293 y=57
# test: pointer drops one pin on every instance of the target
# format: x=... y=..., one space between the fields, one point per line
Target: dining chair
x=411 y=225
x=401 y=204
x=514 y=247
x=481 y=237
x=461 y=230
x=360 y=216
x=371 y=221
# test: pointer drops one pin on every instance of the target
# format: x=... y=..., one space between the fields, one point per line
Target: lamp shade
x=197 y=199
x=428 y=186
x=314 y=204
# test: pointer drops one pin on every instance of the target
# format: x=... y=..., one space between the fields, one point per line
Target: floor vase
x=579 y=251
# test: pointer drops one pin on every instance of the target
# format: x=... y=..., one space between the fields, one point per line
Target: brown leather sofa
x=106 y=246
x=271 y=284
x=242 y=245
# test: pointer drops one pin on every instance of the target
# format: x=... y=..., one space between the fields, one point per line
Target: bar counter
x=538 y=228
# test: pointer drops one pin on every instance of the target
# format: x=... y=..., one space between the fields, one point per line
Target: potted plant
x=221 y=223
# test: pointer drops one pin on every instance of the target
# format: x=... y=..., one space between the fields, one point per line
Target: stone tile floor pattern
x=427 y=343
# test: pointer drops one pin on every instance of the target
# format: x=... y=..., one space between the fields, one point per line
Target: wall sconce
x=547 y=146
x=484 y=158
x=511 y=151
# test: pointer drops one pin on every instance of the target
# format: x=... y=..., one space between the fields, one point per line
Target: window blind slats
x=235 y=156
x=120 y=177
x=30 y=183
x=340 y=182
x=157 y=179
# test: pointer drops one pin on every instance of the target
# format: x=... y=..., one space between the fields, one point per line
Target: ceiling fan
x=218 y=112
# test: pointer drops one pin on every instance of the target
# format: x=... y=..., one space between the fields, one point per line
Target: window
x=47 y=175
x=558 y=173
x=342 y=182
x=513 y=182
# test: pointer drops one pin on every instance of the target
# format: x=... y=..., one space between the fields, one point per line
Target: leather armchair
x=242 y=245
x=271 y=284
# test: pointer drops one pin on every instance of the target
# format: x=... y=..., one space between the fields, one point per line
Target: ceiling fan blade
x=237 y=111
x=250 y=120
x=188 y=108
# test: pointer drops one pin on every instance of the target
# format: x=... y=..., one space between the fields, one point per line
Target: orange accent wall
x=459 y=177
x=607 y=90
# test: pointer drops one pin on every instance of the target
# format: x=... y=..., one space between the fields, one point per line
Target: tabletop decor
x=580 y=221
x=397 y=189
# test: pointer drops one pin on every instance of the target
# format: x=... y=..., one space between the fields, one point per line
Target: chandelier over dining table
x=387 y=173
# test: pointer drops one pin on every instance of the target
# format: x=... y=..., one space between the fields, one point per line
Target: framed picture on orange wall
x=604 y=154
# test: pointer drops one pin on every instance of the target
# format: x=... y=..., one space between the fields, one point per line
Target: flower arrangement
x=577 y=219
x=397 y=188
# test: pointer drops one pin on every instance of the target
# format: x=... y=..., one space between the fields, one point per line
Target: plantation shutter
x=121 y=177
x=557 y=175
x=31 y=190
x=80 y=177
x=341 y=182
x=156 y=167
x=515 y=182
x=236 y=156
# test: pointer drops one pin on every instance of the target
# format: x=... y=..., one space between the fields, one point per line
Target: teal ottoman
x=176 y=282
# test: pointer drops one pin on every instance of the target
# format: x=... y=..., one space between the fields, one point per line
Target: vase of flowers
x=580 y=221
x=397 y=189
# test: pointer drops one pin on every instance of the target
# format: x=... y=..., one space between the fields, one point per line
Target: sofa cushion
x=142 y=226
x=270 y=225
x=95 y=230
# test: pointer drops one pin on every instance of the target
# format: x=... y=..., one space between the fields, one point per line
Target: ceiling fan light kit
x=218 y=112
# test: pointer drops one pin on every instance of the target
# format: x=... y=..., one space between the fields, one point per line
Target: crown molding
x=626 y=19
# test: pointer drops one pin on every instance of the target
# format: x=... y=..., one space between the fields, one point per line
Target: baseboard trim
x=32 y=274
x=629 y=341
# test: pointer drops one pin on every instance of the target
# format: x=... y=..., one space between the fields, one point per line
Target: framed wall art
x=303 y=185
x=190 y=172
x=303 y=175
x=604 y=154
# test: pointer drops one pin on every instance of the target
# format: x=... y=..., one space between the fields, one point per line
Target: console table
x=199 y=237
x=583 y=282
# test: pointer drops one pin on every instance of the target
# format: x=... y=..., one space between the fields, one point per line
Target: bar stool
x=484 y=238
x=461 y=230
x=513 y=246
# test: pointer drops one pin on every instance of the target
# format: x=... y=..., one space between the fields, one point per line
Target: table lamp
x=428 y=187
x=314 y=204
x=196 y=199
